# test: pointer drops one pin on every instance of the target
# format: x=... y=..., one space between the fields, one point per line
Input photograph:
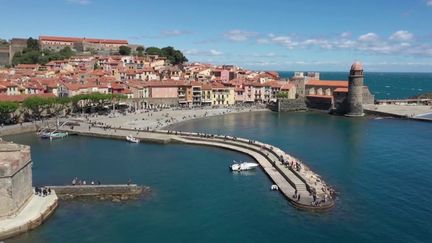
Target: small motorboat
x=243 y=166
x=274 y=187
x=132 y=139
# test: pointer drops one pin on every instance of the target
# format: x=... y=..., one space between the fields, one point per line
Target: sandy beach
x=162 y=118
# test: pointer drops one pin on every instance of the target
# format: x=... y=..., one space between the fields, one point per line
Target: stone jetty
x=115 y=193
x=301 y=186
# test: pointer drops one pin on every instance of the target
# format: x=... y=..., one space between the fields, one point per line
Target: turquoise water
x=381 y=168
x=386 y=85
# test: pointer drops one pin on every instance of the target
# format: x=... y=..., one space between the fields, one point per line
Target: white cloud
x=215 y=53
x=286 y=41
x=429 y=2
x=369 y=37
x=239 y=35
x=345 y=35
x=80 y=2
x=325 y=44
x=402 y=35
x=195 y=52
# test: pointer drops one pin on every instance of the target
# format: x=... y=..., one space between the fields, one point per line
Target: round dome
x=357 y=66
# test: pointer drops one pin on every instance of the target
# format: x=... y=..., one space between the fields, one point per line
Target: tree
x=6 y=109
x=36 y=105
x=140 y=51
x=93 y=100
x=153 y=51
x=32 y=44
x=57 y=105
x=3 y=42
x=282 y=95
x=66 y=52
x=174 y=56
x=124 y=50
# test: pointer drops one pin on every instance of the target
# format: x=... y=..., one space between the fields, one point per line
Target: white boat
x=243 y=166
x=132 y=139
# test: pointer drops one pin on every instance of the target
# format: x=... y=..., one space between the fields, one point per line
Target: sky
x=291 y=35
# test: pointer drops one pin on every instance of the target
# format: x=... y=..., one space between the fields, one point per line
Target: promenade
x=157 y=119
x=34 y=213
x=416 y=112
x=301 y=186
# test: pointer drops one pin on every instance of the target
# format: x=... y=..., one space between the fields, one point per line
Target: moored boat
x=243 y=166
x=52 y=135
x=131 y=139
x=55 y=135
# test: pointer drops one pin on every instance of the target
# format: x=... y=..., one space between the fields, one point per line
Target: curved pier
x=302 y=187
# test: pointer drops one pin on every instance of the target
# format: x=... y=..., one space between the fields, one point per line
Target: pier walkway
x=413 y=111
x=103 y=192
x=270 y=158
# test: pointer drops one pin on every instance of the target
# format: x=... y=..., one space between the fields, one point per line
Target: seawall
x=282 y=105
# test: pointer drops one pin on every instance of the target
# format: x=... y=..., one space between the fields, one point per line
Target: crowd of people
x=42 y=191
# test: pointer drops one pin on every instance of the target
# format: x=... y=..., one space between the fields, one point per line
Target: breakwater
x=115 y=193
x=301 y=186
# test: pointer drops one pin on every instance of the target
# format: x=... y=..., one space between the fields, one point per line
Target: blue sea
x=385 y=85
x=381 y=168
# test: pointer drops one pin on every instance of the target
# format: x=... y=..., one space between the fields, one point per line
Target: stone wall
x=368 y=98
x=298 y=104
x=319 y=104
x=99 y=191
x=18 y=129
x=15 y=178
x=4 y=55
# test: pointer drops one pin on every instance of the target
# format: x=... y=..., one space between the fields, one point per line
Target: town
x=81 y=66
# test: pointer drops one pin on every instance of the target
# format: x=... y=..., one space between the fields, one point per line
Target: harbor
x=193 y=183
x=301 y=187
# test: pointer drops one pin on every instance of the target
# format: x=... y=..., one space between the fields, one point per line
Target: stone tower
x=355 y=90
x=15 y=178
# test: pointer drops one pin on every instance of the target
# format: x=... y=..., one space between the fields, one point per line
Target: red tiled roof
x=341 y=90
x=327 y=83
x=287 y=86
x=27 y=66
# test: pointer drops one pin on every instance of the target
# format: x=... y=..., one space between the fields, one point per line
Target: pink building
x=165 y=89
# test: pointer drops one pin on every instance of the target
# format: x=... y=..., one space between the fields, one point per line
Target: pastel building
x=56 y=43
x=222 y=95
